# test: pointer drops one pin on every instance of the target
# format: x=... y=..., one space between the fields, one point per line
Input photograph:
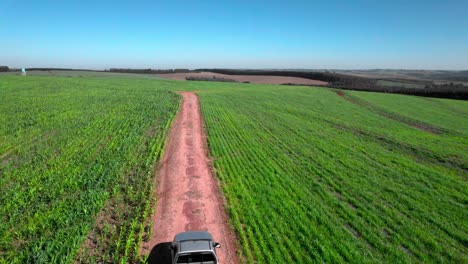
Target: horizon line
x=237 y=68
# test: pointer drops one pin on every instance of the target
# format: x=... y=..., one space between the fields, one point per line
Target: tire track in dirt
x=188 y=195
x=392 y=116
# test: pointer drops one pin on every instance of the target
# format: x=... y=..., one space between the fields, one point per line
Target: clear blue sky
x=235 y=34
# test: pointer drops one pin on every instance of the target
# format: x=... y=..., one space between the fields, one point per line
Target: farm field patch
x=309 y=175
x=76 y=160
x=312 y=177
x=258 y=79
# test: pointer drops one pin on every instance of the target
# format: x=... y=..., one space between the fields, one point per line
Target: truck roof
x=192 y=241
x=193 y=235
x=196 y=245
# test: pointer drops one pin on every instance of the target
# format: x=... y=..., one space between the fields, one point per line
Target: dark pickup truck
x=194 y=247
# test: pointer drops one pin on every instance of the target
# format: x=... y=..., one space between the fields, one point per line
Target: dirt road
x=188 y=195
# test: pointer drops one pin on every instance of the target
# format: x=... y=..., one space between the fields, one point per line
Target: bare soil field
x=188 y=195
x=262 y=79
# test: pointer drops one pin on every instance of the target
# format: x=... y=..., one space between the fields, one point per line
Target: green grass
x=72 y=149
x=445 y=113
x=309 y=176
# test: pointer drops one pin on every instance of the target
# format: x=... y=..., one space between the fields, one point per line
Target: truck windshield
x=201 y=258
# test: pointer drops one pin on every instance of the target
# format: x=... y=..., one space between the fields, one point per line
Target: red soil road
x=264 y=79
x=188 y=195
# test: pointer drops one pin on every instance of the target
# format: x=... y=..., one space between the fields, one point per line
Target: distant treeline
x=334 y=79
x=209 y=79
x=4 y=68
x=119 y=70
x=149 y=71
x=60 y=69
x=451 y=91
x=350 y=82
x=322 y=76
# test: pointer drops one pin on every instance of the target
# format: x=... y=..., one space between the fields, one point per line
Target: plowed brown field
x=245 y=78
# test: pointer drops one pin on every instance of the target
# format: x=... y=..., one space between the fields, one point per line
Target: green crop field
x=72 y=150
x=309 y=174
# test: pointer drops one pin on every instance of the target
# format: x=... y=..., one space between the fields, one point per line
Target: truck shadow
x=160 y=254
